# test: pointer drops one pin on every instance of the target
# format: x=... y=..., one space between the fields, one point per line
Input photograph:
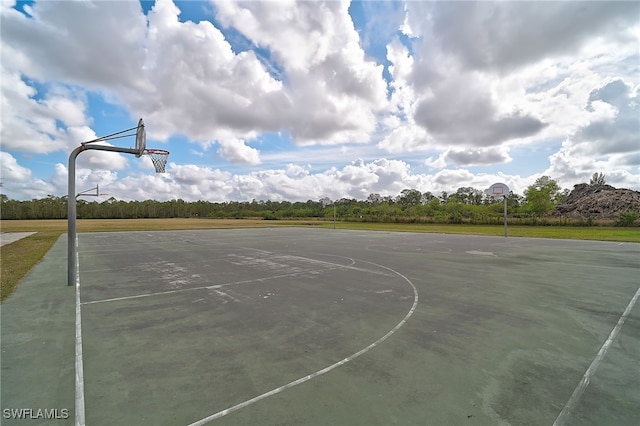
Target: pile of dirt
x=598 y=202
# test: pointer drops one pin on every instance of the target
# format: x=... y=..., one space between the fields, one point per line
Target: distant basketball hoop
x=500 y=190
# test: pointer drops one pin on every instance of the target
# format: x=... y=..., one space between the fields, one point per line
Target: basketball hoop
x=500 y=189
x=158 y=158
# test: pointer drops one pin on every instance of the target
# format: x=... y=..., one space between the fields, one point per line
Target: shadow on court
x=323 y=327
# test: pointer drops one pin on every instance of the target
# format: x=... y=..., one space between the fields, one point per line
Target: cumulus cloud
x=18 y=180
x=11 y=170
x=454 y=82
x=337 y=90
x=469 y=117
x=505 y=35
x=439 y=162
x=236 y=151
x=104 y=160
x=609 y=141
x=401 y=133
x=184 y=77
x=46 y=38
x=478 y=156
x=201 y=87
x=31 y=125
x=452 y=105
x=620 y=132
x=437 y=86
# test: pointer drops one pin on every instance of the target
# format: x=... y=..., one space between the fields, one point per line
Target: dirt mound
x=598 y=201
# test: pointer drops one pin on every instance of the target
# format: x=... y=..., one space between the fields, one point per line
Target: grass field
x=17 y=259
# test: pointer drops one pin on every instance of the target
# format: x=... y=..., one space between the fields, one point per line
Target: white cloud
x=104 y=160
x=474 y=84
x=618 y=130
x=201 y=88
x=437 y=163
x=29 y=125
x=337 y=89
x=295 y=183
x=296 y=172
x=478 y=156
x=67 y=42
x=461 y=112
x=406 y=138
x=236 y=151
x=19 y=182
x=505 y=35
x=402 y=134
x=608 y=142
x=11 y=170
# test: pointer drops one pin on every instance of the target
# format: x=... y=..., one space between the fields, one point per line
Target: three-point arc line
x=324 y=370
x=561 y=419
x=80 y=417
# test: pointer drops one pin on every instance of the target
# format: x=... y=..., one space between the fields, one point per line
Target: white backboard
x=498 y=189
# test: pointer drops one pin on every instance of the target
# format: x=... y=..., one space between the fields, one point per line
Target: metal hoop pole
x=71 y=217
x=72 y=252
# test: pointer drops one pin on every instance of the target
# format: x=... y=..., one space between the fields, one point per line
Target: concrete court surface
x=294 y=326
x=10 y=237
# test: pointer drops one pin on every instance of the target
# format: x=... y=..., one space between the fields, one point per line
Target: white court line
x=582 y=386
x=215 y=286
x=322 y=262
x=80 y=421
x=324 y=370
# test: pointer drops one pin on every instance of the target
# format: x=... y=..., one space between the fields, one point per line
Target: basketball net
x=158 y=158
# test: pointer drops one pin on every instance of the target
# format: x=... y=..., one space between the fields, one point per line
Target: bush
x=455 y=217
x=627 y=219
x=270 y=216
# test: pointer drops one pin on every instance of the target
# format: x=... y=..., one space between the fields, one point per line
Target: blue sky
x=306 y=100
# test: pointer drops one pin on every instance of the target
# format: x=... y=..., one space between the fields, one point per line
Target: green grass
x=17 y=259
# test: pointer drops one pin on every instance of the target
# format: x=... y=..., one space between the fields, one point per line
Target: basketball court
x=301 y=326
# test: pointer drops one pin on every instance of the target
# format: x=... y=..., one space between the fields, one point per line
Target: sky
x=300 y=100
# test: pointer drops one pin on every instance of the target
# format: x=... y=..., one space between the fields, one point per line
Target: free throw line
x=582 y=386
x=324 y=370
x=216 y=286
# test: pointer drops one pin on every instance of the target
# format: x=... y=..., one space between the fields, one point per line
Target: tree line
x=465 y=205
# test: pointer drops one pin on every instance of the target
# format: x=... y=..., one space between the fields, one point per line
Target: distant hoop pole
x=505 y=215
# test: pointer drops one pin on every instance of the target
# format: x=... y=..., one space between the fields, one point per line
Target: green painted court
x=297 y=326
